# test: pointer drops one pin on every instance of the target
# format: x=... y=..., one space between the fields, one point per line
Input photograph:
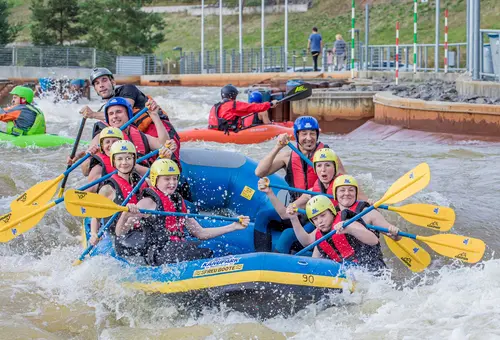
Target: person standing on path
x=315 y=45
x=339 y=50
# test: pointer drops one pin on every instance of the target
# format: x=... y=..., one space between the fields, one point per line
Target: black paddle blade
x=299 y=92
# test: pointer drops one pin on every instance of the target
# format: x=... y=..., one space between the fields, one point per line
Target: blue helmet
x=305 y=123
x=118 y=101
x=255 y=97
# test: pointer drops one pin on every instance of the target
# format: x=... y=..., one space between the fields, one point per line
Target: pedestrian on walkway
x=315 y=45
x=339 y=50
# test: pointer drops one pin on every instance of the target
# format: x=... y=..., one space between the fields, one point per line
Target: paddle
x=407 y=185
x=72 y=155
x=43 y=192
x=301 y=155
x=408 y=251
x=299 y=92
x=112 y=219
x=464 y=248
x=17 y=222
x=87 y=204
x=424 y=215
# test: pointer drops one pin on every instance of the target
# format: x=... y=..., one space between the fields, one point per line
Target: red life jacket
x=140 y=142
x=104 y=161
x=226 y=115
x=338 y=247
x=151 y=130
x=123 y=187
x=299 y=174
x=251 y=120
x=174 y=225
x=318 y=187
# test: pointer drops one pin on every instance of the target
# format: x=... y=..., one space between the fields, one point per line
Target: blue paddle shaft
x=113 y=218
x=302 y=191
x=385 y=230
x=207 y=217
x=301 y=155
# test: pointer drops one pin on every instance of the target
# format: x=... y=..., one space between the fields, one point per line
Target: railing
x=489 y=55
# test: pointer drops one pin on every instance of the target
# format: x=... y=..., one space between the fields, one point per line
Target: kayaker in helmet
x=123 y=156
x=22 y=117
x=359 y=244
x=166 y=241
x=227 y=115
x=104 y=85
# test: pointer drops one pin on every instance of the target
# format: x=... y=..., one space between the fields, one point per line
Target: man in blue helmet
x=298 y=173
x=256 y=118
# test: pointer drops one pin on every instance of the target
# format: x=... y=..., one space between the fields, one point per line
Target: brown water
x=43 y=296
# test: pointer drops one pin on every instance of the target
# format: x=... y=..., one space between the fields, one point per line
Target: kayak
x=42 y=141
x=261 y=284
x=256 y=134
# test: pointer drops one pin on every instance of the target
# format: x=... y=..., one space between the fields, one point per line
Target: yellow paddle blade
x=427 y=215
x=407 y=185
x=410 y=253
x=87 y=204
x=15 y=223
x=37 y=195
x=464 y=248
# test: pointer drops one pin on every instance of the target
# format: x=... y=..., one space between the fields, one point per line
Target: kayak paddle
x=424 y=215
x=72 y=155
x=43 y=192
x=17 y=222
x=407 y=185
x=299 y=92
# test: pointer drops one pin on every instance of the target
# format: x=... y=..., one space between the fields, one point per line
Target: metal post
x=470 y=54
x=353 y=24
x=41 y=57
x=262 y=54
x=241 y=35
x=67 y=56
x=397 y=52
x=13 y=56
x=446 y=41
x=476 y=32
x=467 y=23
x=286 y=37
x=415 y=7
x=426 y=49
x=436 y=49
x=221 y=43
x=367 y=33
x=202 y=36
x=94 y=58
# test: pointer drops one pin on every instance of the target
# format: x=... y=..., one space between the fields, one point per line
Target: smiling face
x=324 y=221
x=124 y=162
x=117 y=116
x=106 y=144
x=307 y=139
x=325 y=171
x=346 y=195
x=104 y=86
x=167 y=184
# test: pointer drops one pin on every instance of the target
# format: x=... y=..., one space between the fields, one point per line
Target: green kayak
x=42 y=141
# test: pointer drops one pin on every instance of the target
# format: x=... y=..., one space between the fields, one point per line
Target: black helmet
x=229 y=92
x=99 y=72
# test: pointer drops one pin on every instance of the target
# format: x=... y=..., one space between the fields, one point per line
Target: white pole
x=221 y=44
x=202 y=36
x=436 y=48
x=262 y=60
x=241 y=35
x=286 y=37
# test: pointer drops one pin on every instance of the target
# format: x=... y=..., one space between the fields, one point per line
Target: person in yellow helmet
x=22 y=117
x=166 y=241
x=123 y=157
x=358 y=244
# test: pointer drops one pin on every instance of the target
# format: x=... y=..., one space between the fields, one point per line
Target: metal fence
x=489 y=59
x=71 y=57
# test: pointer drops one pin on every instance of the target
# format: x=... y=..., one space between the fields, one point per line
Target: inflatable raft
x=42 y=141
x=260 y=284
x=256 y=134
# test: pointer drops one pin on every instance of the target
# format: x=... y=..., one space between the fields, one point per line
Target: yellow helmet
x=345 y=180
x=325 y=155
x=163 y=167
x=317 y=205
x=122 y=146
x=109 y=132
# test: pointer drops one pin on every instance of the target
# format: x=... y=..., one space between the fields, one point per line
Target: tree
x=55 y=21
x=119 y=26
x=8 y=32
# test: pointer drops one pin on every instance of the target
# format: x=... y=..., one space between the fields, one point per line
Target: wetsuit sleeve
x=132 y=92
x=9 y=114
x=243 y=109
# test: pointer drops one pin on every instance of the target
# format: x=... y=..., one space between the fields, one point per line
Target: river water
x=43 y=296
